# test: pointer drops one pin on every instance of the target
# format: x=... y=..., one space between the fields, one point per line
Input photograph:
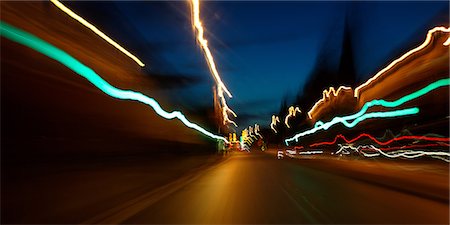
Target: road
x=258 y=188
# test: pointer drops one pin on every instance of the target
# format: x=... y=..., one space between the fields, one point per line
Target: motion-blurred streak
x=221 y=88
x=416 y=146
x=97 y=31
x=325 y=96
x=274 y=122
x=407 y=153
x=358 y=93
x=292 y=112
x=225 y=108
x=64 y=58
x=257 y=130
x=340 y=136
x=362 y=115
x=310 y=152
x=324 y=126
x=403 y=57
x=250 y=132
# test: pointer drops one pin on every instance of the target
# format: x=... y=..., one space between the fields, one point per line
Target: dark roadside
x=75 y=187
x=425 y=178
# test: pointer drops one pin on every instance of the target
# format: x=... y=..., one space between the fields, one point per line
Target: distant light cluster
x=362 y=115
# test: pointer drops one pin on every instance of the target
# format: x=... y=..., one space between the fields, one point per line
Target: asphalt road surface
x=258 y=188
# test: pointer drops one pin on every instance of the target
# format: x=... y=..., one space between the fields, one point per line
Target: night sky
x=265 y=51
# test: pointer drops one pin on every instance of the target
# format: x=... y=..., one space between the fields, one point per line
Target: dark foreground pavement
x=258 y=188
x=239 y=188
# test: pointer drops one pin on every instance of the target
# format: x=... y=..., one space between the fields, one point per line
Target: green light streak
x=360 y=116
x=64 y=58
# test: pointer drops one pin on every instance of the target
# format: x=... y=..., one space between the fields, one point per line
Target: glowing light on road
x=360 y=116
x=96 y=31
x=310 y=152
x=414 y=146
x=325 y=96
x=403 y=57
x=197 y=24
x=409 y=154
x=274 y=122
x=292 y=112
x=59 y=55
x=424 y=138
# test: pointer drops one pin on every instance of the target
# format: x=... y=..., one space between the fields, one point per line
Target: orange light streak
x=403 y=57
x=326 y=94
x=447 y=42
x=275 y=119
x=197 y=24
x=292 y=112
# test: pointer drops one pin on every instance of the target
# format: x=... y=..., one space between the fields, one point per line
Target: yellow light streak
x=447 y=42
x=292 y=112
x=257 y=130
x=225 y=108
x=96 y=30
x=275 y=120
x=403 y=57
x=251 y=131
x=197 y=25
x=326 y=94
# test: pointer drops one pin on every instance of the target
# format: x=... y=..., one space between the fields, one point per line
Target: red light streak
x=426 y=138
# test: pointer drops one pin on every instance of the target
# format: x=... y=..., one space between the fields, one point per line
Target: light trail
x=425 y=138
x=310 y=152
x=274 y=122
x=414 y=146
x=360 y=116
x=225 y=108
x=257 y=131
x=251 y=131
x=336 y=120
x=33 y=42
x=292 y=112
x=409 y=154
x=197 y=24
x=447 y=42
x=441 y=158
x=326 y=94
x=403 y=57
x=290 y=153
x=96 y=31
